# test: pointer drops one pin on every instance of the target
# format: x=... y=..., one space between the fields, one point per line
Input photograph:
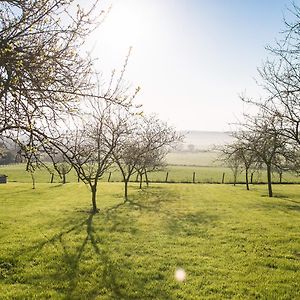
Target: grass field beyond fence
x=232 y=244
x=176 y=173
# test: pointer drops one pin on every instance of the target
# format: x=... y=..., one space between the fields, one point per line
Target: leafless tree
x=89 y=147
x=150 y=162
x=44 y=75
x=62 y=166
x=265 y=142
x=148 y=136
x=42 y=71
x=239 y=156
x=280 y=78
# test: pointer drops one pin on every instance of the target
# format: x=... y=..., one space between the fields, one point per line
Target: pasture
x=180 y=167
x=232 y=244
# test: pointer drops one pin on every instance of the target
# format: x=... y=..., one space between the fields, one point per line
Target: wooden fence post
x=223 y=177
x=194 y=175
x=280 y=177
x=167 y=175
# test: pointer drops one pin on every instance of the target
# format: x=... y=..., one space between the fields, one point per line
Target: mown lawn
x=233 y=244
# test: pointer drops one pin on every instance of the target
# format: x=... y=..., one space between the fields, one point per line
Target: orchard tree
x=42 y=70
x=62 y=166
x=231 y=158
x=147 y=137
x=151 y=161
x=89 y=148
x=267 y=144
x=280 y=78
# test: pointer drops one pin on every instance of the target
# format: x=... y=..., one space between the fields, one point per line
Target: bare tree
x=147 y=137
x=42 y=71
x=231 y=158
x=280 y=77
x=150 y=162
x=265 y=142
x=62 y=166
x=89 y=147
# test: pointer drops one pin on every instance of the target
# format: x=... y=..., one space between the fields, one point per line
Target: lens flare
x=180 y=275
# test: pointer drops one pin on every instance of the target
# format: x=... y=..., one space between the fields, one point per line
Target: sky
x=191 y=58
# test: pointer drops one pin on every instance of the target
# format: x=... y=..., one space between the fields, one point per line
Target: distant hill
x=204 y=140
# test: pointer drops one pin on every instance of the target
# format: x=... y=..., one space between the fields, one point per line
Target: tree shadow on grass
x=109 y=273
x=81 y=263
x=72 y=261
x=151 y=199
x=191 y=224
x=282 y=206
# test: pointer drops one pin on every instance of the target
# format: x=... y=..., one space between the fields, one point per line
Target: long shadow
x=287 y=202
x=147 y=199
x=286 y=207
x=110 y=273
x=72 y=253
x=191 y=224
x=81 y=240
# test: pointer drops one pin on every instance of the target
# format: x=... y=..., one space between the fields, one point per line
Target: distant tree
x=7 y=155
x=147 y=136
x=151 y=161
x=230 y=156
x=62 y=166
x=265 y=142
x=191 y=148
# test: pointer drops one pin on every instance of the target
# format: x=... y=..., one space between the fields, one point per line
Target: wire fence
x=172 y=174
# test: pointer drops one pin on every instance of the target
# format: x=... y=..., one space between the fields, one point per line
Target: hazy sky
x=191 y=58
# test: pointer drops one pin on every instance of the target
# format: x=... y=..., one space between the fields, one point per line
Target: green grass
x=203 y=159
x=178 y=173
x=233 y=244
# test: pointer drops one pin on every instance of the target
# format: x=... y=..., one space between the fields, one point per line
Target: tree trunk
x=33 y=180
x=125 y=190
x=247 y=180
x=141 y=180
x=146 y=177
x=63 y=178
x=52 y=178
x=269 y=174
x=94 y=199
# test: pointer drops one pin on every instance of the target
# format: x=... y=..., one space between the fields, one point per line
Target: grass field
x=176 y=173
x=233 y=244
x=202 y=159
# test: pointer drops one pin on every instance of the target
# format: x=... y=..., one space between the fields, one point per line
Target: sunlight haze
x=192 y=59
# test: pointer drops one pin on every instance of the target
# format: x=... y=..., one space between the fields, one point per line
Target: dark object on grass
x=3 y=178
